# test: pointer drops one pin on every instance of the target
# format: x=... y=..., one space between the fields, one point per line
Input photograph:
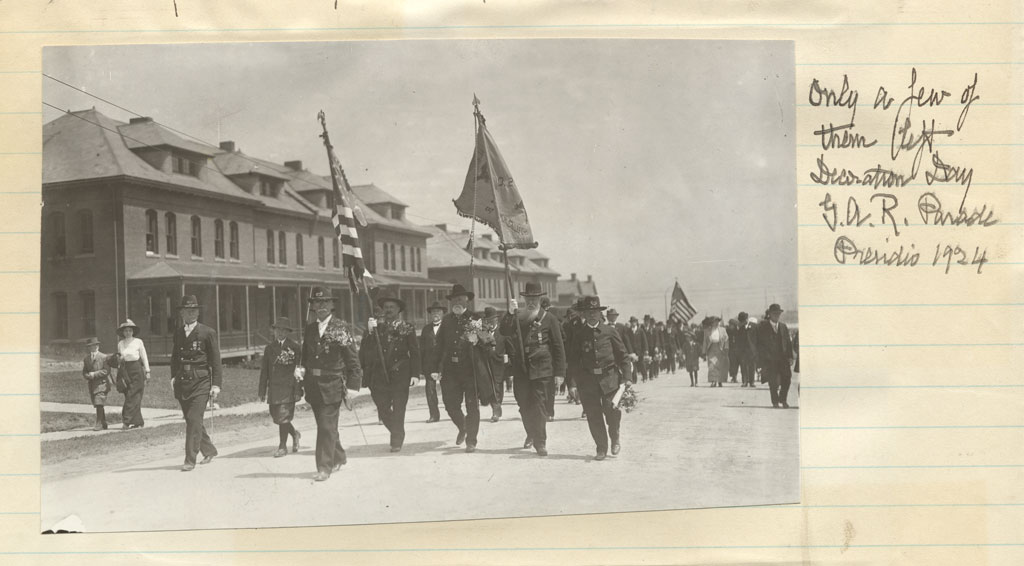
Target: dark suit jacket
x=430 y=360
x=199 y=350
x=334 y=356
x=774 y=349
x=627 y=337
x=638 y=339
x=599 y=358
x=653 y=340
x=277 y=380
x=401 y=351
x=454 y=352
x=542 y=339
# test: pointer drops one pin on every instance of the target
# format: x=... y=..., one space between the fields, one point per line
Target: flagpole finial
x=476 y=101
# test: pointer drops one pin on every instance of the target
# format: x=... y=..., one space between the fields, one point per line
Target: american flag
x=342 y=218
x=682 y=310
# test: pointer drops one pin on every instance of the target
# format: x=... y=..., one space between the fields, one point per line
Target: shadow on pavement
x=790 y=408
x=384 y=450
x=157 y=468
x=533 y=456
x=263 y=475
x=462 y=449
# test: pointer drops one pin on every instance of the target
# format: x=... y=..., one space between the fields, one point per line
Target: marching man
x=329 y=365
x=278 y=385
x=195 y=378
x=389 y=385
x=599 y=374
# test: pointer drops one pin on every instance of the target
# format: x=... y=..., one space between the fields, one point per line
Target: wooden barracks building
x=135 y=216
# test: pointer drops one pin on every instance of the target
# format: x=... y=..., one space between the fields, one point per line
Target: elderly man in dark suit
x=278 y=385
x=389 y=383
x=746 y=349
x=461 y=380
x=195 y=377
x=430 y=363
x=775 y=352
x=329 y=365
x=637 y=338
x=598 y=369
x=538 y=358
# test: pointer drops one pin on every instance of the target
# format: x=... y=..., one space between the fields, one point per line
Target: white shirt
x=323 y=324
x=594 y=325
x=437 y=327
x=775 y=326
x=133 y=350
x=190 y=327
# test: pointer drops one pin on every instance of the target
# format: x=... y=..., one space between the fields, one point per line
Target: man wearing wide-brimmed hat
x=775 y=353
x=492 y=356
x=461 y=379
x=195 y=377
x=391 y=379
x=599 y=366
x=328 y=366
x=429 y=357
x=537 y=358
x=278 y=386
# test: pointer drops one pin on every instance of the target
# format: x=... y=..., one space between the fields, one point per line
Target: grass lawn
x=240 y=385
x=52 y=422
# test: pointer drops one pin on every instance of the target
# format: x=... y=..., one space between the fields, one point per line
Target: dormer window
x=266 y=187
x=184 y=166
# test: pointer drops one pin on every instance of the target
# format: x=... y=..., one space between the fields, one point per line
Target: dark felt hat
x=283 y=322
x=437 y=306
x=128 y=324
x=92 y=341
x=775 y=308
x=460 y=291
x=590 y=303
x=391 y=299
x=189 y=302
x=321 y=294
x=532 y=290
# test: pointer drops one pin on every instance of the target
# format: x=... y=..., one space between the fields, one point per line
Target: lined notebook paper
x=912 y=398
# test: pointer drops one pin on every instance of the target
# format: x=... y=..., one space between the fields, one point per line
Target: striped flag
x=682 y=310
x=343 y=219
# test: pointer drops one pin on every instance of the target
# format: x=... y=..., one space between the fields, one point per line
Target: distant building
x=449 y=260
x=135 y=216
x=570 y=290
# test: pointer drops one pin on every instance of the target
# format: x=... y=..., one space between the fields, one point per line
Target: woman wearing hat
x=134 y=368
x=278 y=385
x=96 y=372
x=716 y=350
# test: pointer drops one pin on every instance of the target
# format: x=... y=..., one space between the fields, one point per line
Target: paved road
x=682 y=447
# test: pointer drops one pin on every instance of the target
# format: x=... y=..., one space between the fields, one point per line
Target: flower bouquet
x=286 y=357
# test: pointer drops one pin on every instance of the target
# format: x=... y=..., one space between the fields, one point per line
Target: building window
x=169 y=314
x=266 y=188
x=85 y=231
x=57 y=229
x=299 y=259
x=270 y=247
x=402 y=249
x=385 y=256
x=233 y=240
x=334 y=250
x=282 y=249
x=419 y=260
x=394 y=260
x=171 y=227
x=321 y=254
x=88 y=299
x=218 y=238
x=151 y=232
x=237 y=303
x=197 y=237
x=60 y=315
x=184 y=166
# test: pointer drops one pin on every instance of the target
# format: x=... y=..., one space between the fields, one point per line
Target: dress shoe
x=98 y=427
x=494 y=418
x=542 y=451
x=208 y=459
x=529 y=443
x=775 y=405
x=470 y=448
x=551 y=419
x=583 y=415
x=295 y=441
x=460 y=438
x=433 y=420
x=321 y=476
x=785 y=405
x=281 y=452
x=188 y=467
x=342 y=460
x=600 y=456
x=396 y=448
x=616 y=447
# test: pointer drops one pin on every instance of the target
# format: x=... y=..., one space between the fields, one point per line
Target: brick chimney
x=572 y=277
x=294 y=165
x=441 y=227
x=140 y=120
x=590 y=279
x=228 y=146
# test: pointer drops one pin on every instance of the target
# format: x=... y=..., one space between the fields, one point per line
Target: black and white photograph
x=371 y=282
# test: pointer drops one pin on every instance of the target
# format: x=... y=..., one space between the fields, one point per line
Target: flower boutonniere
x=335 y=336
x=286 y=357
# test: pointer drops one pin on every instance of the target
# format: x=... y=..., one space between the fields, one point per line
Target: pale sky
x=639 y=162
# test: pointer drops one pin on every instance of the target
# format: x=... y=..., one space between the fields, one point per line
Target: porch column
x=273 y=303
x=216 y=300
x=248 y=333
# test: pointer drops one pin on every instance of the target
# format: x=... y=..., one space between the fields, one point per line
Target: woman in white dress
x=716 y=350
x=134 y=372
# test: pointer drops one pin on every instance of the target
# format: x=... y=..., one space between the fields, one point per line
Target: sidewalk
x=157 y=417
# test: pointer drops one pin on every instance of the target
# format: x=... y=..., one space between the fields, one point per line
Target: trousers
x=532 y=398
x=778 y=379
x=391 y=403
x=329 y=452
x=603 y=418
x=431 y=389
x=455 y=391
x=196 y=438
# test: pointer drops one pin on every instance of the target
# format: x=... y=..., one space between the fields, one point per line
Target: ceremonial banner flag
x=343 y=219
x=682 y=310
x=490 y=195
